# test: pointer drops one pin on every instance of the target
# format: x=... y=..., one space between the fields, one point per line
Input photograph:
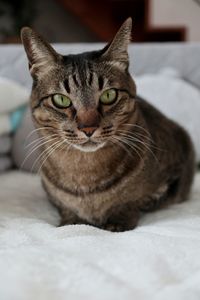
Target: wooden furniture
x=104 y=17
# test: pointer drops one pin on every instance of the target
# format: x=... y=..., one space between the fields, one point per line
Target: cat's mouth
x=89 y=146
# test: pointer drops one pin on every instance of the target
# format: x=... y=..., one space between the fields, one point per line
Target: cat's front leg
x=68 y=217
x=122 y=218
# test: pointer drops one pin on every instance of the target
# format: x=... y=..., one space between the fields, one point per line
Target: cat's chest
x=85 y=174
x=84 y=177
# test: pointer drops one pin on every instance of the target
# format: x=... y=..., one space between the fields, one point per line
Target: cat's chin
x=89 y=147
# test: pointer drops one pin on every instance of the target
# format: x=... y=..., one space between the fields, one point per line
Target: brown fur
x=136 y=159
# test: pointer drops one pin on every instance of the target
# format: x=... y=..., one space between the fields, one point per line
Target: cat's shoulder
x=148 y=110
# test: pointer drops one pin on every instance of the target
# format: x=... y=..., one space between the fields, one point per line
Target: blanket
x=158 y=260
x=13 y=101
x=5 y=144
x=5 y=150
x=5 y=162
x=12 y=95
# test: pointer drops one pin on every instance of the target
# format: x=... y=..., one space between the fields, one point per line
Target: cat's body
x=134 y=158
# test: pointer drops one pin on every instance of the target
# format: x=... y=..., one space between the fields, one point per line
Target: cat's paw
x=71 y=221
x=123 y=220
x=118 y=227
x=114 y=227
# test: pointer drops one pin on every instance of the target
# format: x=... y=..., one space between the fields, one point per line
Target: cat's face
x=84 y=99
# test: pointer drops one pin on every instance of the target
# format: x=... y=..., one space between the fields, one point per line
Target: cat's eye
x=61 y=101
x=109 y=96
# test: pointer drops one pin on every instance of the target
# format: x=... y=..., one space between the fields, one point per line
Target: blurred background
x=96 y=21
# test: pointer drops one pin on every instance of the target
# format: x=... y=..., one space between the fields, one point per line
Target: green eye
x=61 y=101
x=109 y=96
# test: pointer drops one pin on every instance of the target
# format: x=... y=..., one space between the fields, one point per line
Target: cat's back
x=171 y=142
x=161 y=127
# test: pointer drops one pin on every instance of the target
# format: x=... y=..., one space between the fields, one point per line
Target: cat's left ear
x=117 y=50
x=40 y=54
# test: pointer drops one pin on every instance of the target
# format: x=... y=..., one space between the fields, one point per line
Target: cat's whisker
x=138 y=126
x=147 y=146
x=120 y=144
x=49 y=149
x=104 y=136
x=40 y=139
x=148 y=137
x=139 y=134
x=107 y=130
x=134 y=138
x=60 y=143
x=135 y=148
x=130 y=145
x=43 y=153
x=34 y=149
x=38 y=129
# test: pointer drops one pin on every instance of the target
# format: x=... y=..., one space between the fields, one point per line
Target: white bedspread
x=160 y=259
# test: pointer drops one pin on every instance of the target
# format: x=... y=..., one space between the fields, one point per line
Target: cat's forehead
x=81 y=63
x=89 y=69
x=84 y=71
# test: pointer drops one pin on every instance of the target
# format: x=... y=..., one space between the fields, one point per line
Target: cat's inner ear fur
x=117 y=50
x=40 y=54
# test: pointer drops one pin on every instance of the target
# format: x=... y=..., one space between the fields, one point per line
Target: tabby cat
x=108 y=156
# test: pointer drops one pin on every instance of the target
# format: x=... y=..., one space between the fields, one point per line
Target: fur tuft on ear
x=117 y=50
x=40 y=54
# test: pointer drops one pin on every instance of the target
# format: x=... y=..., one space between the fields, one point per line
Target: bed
x=158 y=260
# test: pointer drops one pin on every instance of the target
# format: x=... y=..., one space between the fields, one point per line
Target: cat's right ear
x=41 y=55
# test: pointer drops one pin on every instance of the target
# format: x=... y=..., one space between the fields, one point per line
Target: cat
x=108 y=155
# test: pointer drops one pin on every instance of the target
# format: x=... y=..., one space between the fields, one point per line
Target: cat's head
x=85 y=98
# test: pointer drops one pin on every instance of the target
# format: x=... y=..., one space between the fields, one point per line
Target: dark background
x=83 y=20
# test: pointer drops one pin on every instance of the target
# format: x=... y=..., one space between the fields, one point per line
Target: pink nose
x=88 y=130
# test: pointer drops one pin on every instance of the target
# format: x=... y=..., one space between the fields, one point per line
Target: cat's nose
x=88 y=130
x=88 y=121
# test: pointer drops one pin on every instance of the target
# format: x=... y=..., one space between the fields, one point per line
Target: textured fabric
x=5 y=164
x=158 y=260
x=16 y=117
x=5 y=144
x=5 y=124
x=12 y=95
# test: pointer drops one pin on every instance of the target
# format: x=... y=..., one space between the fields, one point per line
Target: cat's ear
x=117 y=50
x=41 y=55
